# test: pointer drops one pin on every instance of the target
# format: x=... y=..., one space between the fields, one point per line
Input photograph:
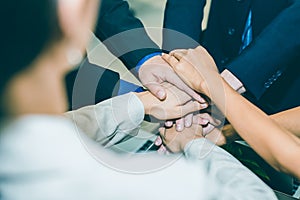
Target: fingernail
x=187 y=124
x=201 y=100
x=205 y=121
x=157 y=142
x=179 y=127
x=160 y=94
x=161 y=150
x=203 y=105
x=168 y=123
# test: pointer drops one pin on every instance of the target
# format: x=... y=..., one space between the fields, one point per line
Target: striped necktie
x=247 y=34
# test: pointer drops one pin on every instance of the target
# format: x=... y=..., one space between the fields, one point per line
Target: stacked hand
x=176 y=104
x=189 y=70
x=195 y=67
x=204 y=125
x=156 y=71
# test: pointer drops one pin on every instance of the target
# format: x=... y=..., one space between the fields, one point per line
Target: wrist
x=144 y=98
x=211 y=84
x=145 y=60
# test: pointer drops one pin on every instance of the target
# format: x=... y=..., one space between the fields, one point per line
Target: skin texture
x=176 y=104
x=256 y=126
x=154 y=72
x=176 y=141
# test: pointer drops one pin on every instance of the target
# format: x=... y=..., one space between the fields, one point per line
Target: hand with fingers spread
x=176 y=104
x=184 y=122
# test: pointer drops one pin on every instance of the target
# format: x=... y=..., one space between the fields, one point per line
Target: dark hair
x=27 y=27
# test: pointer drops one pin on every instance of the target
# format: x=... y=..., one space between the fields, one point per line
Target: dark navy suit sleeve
x=268 y=56
x=184 y=17
x=122 y=33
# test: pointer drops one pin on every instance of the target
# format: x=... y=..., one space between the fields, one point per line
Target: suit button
x=231 y=31
x=273 y=78
x=270 y=81
x=267 y=84
x=278 y=73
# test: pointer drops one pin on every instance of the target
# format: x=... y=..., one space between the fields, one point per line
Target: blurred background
x=150 y=12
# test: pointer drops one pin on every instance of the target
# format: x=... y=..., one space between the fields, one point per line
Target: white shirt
x=48 y=157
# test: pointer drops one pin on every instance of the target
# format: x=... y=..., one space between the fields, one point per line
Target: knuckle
x=205 y=115
x=179 y=67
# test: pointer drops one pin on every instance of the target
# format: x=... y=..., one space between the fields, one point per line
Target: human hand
x=211 y=130
x=187 y=120
x=218 y=135
x=176 y=141
x=229 y=135
x=207 y=122
x=184 y=122
x=176 y=104
x=155 y=71
x=195 y=67
x=162 y=148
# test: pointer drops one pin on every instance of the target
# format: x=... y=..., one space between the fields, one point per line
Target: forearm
x=289 y=119
x=145 y=98
x=260 y=131
x=110 y=121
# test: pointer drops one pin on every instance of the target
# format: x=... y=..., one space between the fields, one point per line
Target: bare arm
x=276 y=144
x=289 y=120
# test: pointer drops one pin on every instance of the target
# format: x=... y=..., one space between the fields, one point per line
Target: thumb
x=157 y=90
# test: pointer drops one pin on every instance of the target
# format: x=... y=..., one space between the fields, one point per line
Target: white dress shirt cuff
x=233 y=81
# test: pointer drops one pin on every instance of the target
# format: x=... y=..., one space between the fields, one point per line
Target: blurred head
x=31 y=28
